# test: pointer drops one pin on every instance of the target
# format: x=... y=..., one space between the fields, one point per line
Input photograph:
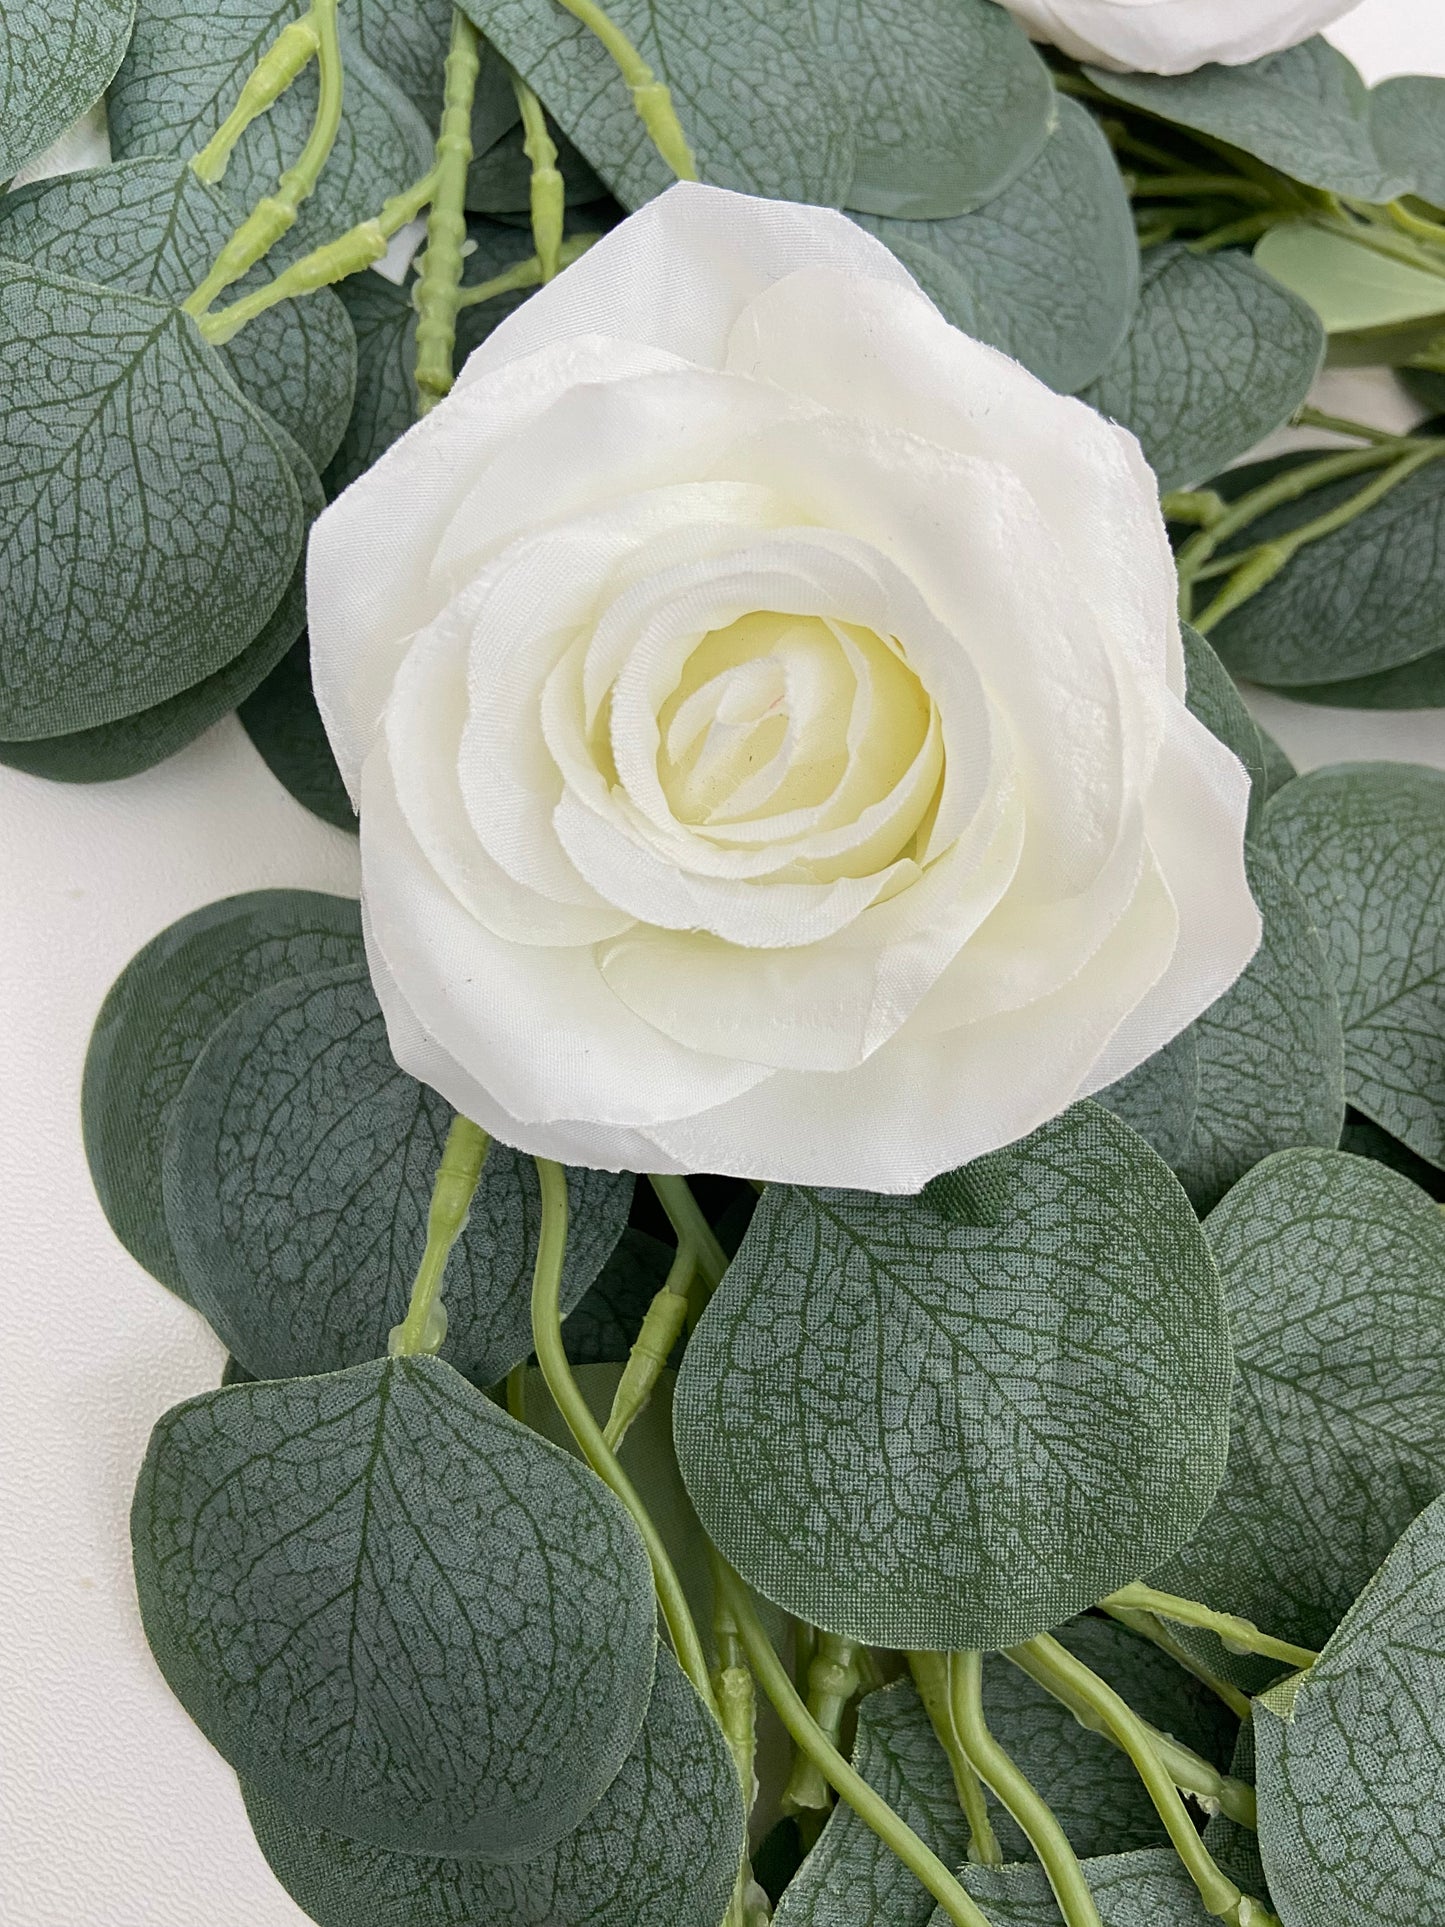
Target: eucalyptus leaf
x=1352 y=1756
x=1349 y=286
x=1364 y=1139
x=1048 y=270
x=1235 y=1848
x=1278 y=769
x=1160 y=1097
x=408 y=39
x=604 y=1325
x=1212 y=696
x=1368 y=598
x=57 y=58
x=953 y=101
x=281 y=718
x=661 y=1847
x=927 y=1434
x=499 y=180
x=150 y=227
x=181 y=77
x=759 y=100
x=155 y=1020
x=1218 y=356
x=1334 y=1272
x=298 y=1167
x=152 y=513
x=1130 y=1890
x=1408 y=113
x=1365 y=844
x=1414 y=685
x=1305 y=112
x=396 y=1612
x=383 y=320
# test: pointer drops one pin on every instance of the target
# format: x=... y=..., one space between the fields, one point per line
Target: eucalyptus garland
x=835 y=1283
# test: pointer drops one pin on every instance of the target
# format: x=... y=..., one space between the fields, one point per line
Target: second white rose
x=1175 y=36
x=765 y=710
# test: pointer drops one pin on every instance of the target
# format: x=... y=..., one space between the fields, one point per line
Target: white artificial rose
x=1175 y=36
x=765 y=710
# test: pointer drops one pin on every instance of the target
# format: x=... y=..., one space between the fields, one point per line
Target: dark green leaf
x=1278 y=769
x=499 y=180
x=1334 y=1272
x=282 y=720
x=1304 y=111
x=1160 y=1098
x=1408 y=113
x=1364 y=1139
x=1130 y=1890
x=953 y=101
x=1369 y=597
x=1365 y=844
x=1214 y=699
x=152 y=228
x=384 y=322
x=1414 y=685
x=1235 y=1848
x=56 y=60
x=1352 y=1756
x=1218 y=356
x=1048 y=270
x=758 y=99
x=661 y=1847
x=298 y=1168
x=407 y=40
x=604 y=1326
x=154 y=520
x=180 y=79
x=157 y=1016
x=927 y=1434
x=395 y=1611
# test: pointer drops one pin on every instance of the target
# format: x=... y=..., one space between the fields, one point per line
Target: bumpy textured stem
x=833 y=1678
x=287 y=57
x=548 y=196
x=525 y=274
x=276 y=213
x=895 y=1833
x=439 y=283
x=650 y=96
x=1035 y=1817
x=662 y=1326
x=685 y=1216
x=931 y=1675
x=552 y=1357
x=454 y=1187
x=1147 y=1626
x=1240 y=1635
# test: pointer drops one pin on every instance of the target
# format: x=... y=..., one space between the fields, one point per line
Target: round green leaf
x=56 y=60
x=150 y=227
x=1048 y=270
x=1334 y=1273
x=1130 y=1890
x=1408 y=112
x=1365 y=844
x=395 y=1611
x=1414 y=685
x=1348 y=285
x=953 y=101
x=383 y=320
x=157 y=1016
x=1160 y=1097
x=1214 y=699
x=282 y=720
x=1352 y=1756
x=298 y=1168
x=661 y=1846
x=1218 y=356
x=923 y=1433
x=605 y=1324
x=154 y=520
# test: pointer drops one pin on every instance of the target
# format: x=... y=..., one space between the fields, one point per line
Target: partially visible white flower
x=765 y=708
x=1175 y=36
x=85 y=143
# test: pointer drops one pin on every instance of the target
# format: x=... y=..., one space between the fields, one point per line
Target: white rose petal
x=1175 y=36
x=765 y=709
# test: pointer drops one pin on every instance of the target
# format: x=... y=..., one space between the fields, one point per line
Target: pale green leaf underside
x=953 y=102
x=1334 y=1272
x=298 y=1166
x=281 y=718
x=927 y=1434
x=661 y=1847
x=1218 y=356
x=1352 y=1763
x=1304 y=111
x=1048 y=270
x=1365 y=844
x=1130 y=1890
x=761 y=104
x=153 y=519
x=395 y=1611
x=1348 y=286
x=155 y=1020
x=56 y=60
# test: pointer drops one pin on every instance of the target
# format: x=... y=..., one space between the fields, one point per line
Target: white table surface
x=114 y=1812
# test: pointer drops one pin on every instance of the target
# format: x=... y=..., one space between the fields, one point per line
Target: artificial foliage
x=1064 y=1541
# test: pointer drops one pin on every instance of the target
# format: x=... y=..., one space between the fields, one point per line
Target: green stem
x=332 y=262
x=689 y=1224
x=548 y=195
x=1237 y=233
x=525 y=274
x=440 y=277
x=833 y=1678
x=284 y=60
x=552 y=1357
x=1289 y=486
x=1147 y=1626
x=1380 y=237
x=650 y=97
x=1308 y=417
x=276 y=213
x=1034 y=1815
x=1053 y=1667
x=1239 y=1635
x=1169 y=187
x=425 y=1325
x=737 y=1714
x=892 y=1830
x=662 y=1326
x=932 y=1677
x=516 y=1393
x=1411 y=223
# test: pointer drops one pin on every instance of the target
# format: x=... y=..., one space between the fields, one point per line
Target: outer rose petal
x=1175 y=36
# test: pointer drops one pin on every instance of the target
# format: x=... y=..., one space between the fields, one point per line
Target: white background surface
x=114 y=1812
